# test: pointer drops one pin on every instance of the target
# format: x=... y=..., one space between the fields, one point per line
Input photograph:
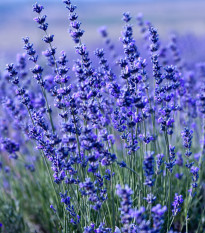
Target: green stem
x=113 y=203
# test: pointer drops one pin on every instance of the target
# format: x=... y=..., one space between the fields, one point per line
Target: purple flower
x=158 y=217
x=172 y=161
x=10 y=146
x=40 y=19
x=37 y=8
x=48 y=38
x=148 y=166
x=126 y=206
x=195 y=175
x=159 y=162
x=150 y=198
x=89 y=229
x=176 y=205
x=187 y=140
x=126 y=17
x=102 y=229
x=51 y=206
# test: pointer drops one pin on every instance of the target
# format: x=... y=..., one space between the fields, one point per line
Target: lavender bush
x=114 y=147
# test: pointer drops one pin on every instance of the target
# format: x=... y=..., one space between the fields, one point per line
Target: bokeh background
x=184 y=17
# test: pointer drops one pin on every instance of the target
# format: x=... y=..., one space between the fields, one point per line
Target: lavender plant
x=89 y=147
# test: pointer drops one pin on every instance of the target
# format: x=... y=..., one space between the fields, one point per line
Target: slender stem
x=170 y=224
x=52 y=182
x=113 y=203
x=48 y=109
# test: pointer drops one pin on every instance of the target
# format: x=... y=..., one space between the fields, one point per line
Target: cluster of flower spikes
x=24 y=97
x=128 y=214
x=148 y=166
x=39 y=130
x=195 y=176
x=67 y=104
x=109 y=86
x=158 y=213
x=111 y=47
x=93 y=106
x=16 y=110
x=154 y=47
x=187 y=142
x=20 y=91
x=166 y=96
x=94 y=229
x=159 y=161
x=83 y=68
x=62 y=153
x=90 y=80
x=94 y=190
x=132 y=105
x=126 y=206
x=145 y=30
x=60 y=69
x=132 y=67
x=70 y=208
x=15 y=114
x=172 y=161
x=176 y=205
x=164 y=93
x=187 y=91
x=90 y=86
x=46 y=141
x=11 y=147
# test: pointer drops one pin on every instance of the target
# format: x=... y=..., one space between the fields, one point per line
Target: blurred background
x=185 y=17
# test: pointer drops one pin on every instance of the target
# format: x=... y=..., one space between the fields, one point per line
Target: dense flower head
x=159 y=161
x=150 y=198
x=102 y=229
x=37 y=8
x=126 y=205
x=176 y=205
x=158 y=213
x=65 y=199
x=149 y=168
x=40 y=19
x=126 y=17
x=154 y=39
x=195 y=175
x=48 y=38
x=172 y=161
x=51 y=206
x=187 y=137
x=10 y=147
x=30 y=50
x=95 y=192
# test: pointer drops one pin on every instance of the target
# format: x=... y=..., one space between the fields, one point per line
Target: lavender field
x=102 y=116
